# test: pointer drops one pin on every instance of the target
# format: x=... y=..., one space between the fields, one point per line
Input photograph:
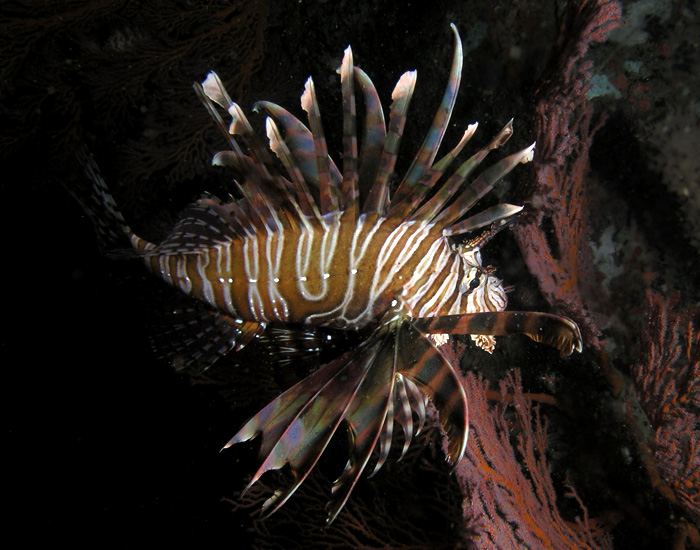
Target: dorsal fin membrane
x=428 y=150
x=373 y=136
x=379 y=194
x=349 y=191
x=212 y=91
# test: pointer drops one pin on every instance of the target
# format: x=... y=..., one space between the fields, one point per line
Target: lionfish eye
x=473 y=285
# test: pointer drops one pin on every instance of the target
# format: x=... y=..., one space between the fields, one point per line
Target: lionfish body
x=315 y=246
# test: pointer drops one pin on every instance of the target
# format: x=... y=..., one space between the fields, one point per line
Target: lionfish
x=309 y=245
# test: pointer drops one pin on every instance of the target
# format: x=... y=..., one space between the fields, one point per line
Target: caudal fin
x=113 y=233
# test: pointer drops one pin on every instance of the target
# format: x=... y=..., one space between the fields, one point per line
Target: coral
x=511 y=500
x=667 y=383
x=553 y=235
x=118 y=75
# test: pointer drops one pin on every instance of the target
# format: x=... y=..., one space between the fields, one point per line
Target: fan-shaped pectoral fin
x=554 y=330
x=297 y=426
x=421 y=363
x=368 y=420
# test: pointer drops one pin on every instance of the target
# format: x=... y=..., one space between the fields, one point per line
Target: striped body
x=345 y=273
x=306 y=244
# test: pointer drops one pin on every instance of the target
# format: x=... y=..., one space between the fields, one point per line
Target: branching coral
x=667 y=383
x=511 y=499
x=553 y=234
x=118 y=74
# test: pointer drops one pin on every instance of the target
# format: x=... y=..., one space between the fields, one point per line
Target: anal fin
x=197 y=337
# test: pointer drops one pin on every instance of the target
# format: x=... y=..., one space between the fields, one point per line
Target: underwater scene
x=333 y=274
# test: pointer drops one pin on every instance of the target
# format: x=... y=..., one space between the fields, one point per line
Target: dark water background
x=105 y=443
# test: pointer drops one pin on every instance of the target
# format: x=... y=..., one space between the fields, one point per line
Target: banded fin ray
x=448 y=189
x=409 y=399
x=482 y=185
x=300 y=141
x=366 y=389
x=213 y=89
x=554 y=330
x=378 y=196
x=367 y=418
x=493 y=214
x=404 y=208
x=329 y=177
x=307 y=204
x=423 y=364
x=373 y=135
x=428 y=150
x=297 y=426
x=349 y=191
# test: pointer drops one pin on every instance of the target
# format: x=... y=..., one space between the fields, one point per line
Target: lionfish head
x=481 y=289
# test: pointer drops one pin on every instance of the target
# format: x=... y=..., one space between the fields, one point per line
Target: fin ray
x=428 y=150
x=373 y=135
x=379 y=194
x=423 y=364
x=554 y=330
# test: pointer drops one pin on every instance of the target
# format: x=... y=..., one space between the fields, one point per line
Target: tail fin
x=366 y=389
x=112 y=231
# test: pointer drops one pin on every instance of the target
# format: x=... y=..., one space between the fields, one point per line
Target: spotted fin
x=115 y=238
x=200 y=228
x=384 y=379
